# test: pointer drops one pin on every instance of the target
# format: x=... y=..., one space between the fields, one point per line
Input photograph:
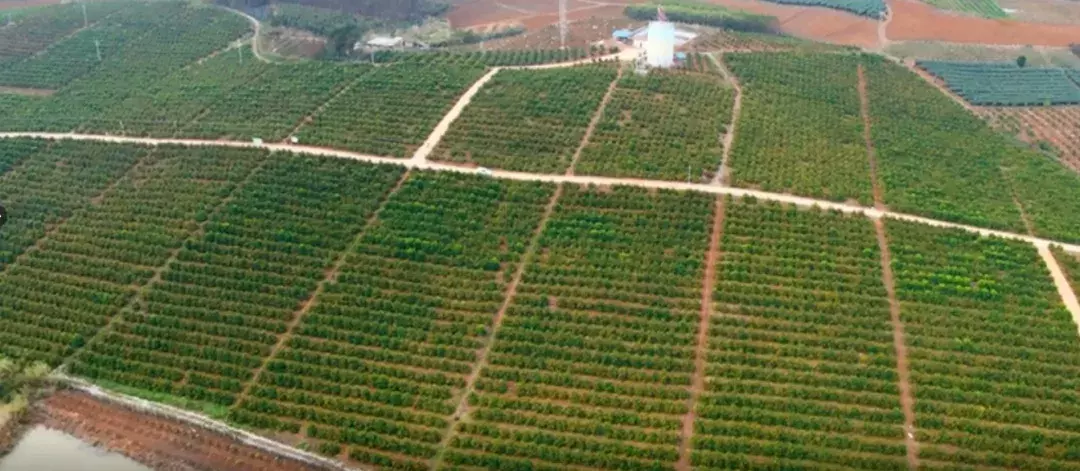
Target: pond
x=47 y=449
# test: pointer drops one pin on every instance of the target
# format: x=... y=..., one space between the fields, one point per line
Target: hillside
x=779 y=254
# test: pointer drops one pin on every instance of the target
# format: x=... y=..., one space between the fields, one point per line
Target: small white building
x=386 y=42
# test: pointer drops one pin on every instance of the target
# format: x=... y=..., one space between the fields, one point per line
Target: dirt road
x=552 y=178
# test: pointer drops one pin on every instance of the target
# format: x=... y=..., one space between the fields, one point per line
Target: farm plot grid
x=390 y=110
x=1058 y=127
x=1047 y=192
x=270 y=106
x=1005 y=83
x=204 y=326
x=74 y=56
x=380 y=363
x=41 y=189
x=37 y=30
x=801 y=364
x=933 y=157
x=994 y=354
x=592 y=365
x=660 y=126
x=58 y=296
x=165 y=107
x=528 y=120
x=801 y=128
x=194 y=33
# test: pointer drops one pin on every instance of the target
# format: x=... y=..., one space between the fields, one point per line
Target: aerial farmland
x=472 y=235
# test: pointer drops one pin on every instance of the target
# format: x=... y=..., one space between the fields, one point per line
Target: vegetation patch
x=380 y=363
x=390 y=110
x=665 y=125
x=592 y=365
x=688 y=11
x=1006 y=83
x=801 y=364
x=528 y=120
x=801 y=129
x=994 y=355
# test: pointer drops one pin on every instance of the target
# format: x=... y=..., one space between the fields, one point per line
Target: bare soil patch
x=913 y=20
x=702 y=348
x=819 y=24
x=486 y=12
x=157 y=442
x=291 y=42
x=1055 y=126
x=25 y=91
x=864 y=102
x=581 y=33
x=903 y=372
x=1043 y=11
x=12 y=4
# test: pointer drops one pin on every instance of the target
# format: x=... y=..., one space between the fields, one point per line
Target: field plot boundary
x=1061 y=281
x=508 y=299
x=140 y=294
x=199 y=420
x=864 y=101
x=701 y=350
x=440 y=130
x=597 y=116
x=723 y=174
x=801 y=201
x=331 y=275
x=903 y=368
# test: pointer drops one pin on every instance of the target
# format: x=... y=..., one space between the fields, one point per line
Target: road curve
x=712 y=188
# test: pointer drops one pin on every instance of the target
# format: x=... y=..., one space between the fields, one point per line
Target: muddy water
x=42 y=449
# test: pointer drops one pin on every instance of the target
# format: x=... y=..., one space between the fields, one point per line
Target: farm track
x=331 y=276
x=723 y=174
x=597 y=116
x=864 y=105
x=440 y=130
x=701 y=350
x=1061 y=281
x=903 y=370
x=462 y=408
x=138 y=298
x=710 y=188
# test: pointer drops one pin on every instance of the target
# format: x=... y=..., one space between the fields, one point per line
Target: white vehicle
x=484 y=171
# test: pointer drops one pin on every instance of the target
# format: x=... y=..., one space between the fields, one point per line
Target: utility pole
x=85 y=22
x=240 y=53
x=562 y=24
x=687 y=173
x=97 y=45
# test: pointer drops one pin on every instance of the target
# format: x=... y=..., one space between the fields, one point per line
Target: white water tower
x=660 y=47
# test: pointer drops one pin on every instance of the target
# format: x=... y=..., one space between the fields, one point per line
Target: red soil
x=489 y=12
x=913 y=20
x=154 y=441
x=820 y=24
x=7 y=5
